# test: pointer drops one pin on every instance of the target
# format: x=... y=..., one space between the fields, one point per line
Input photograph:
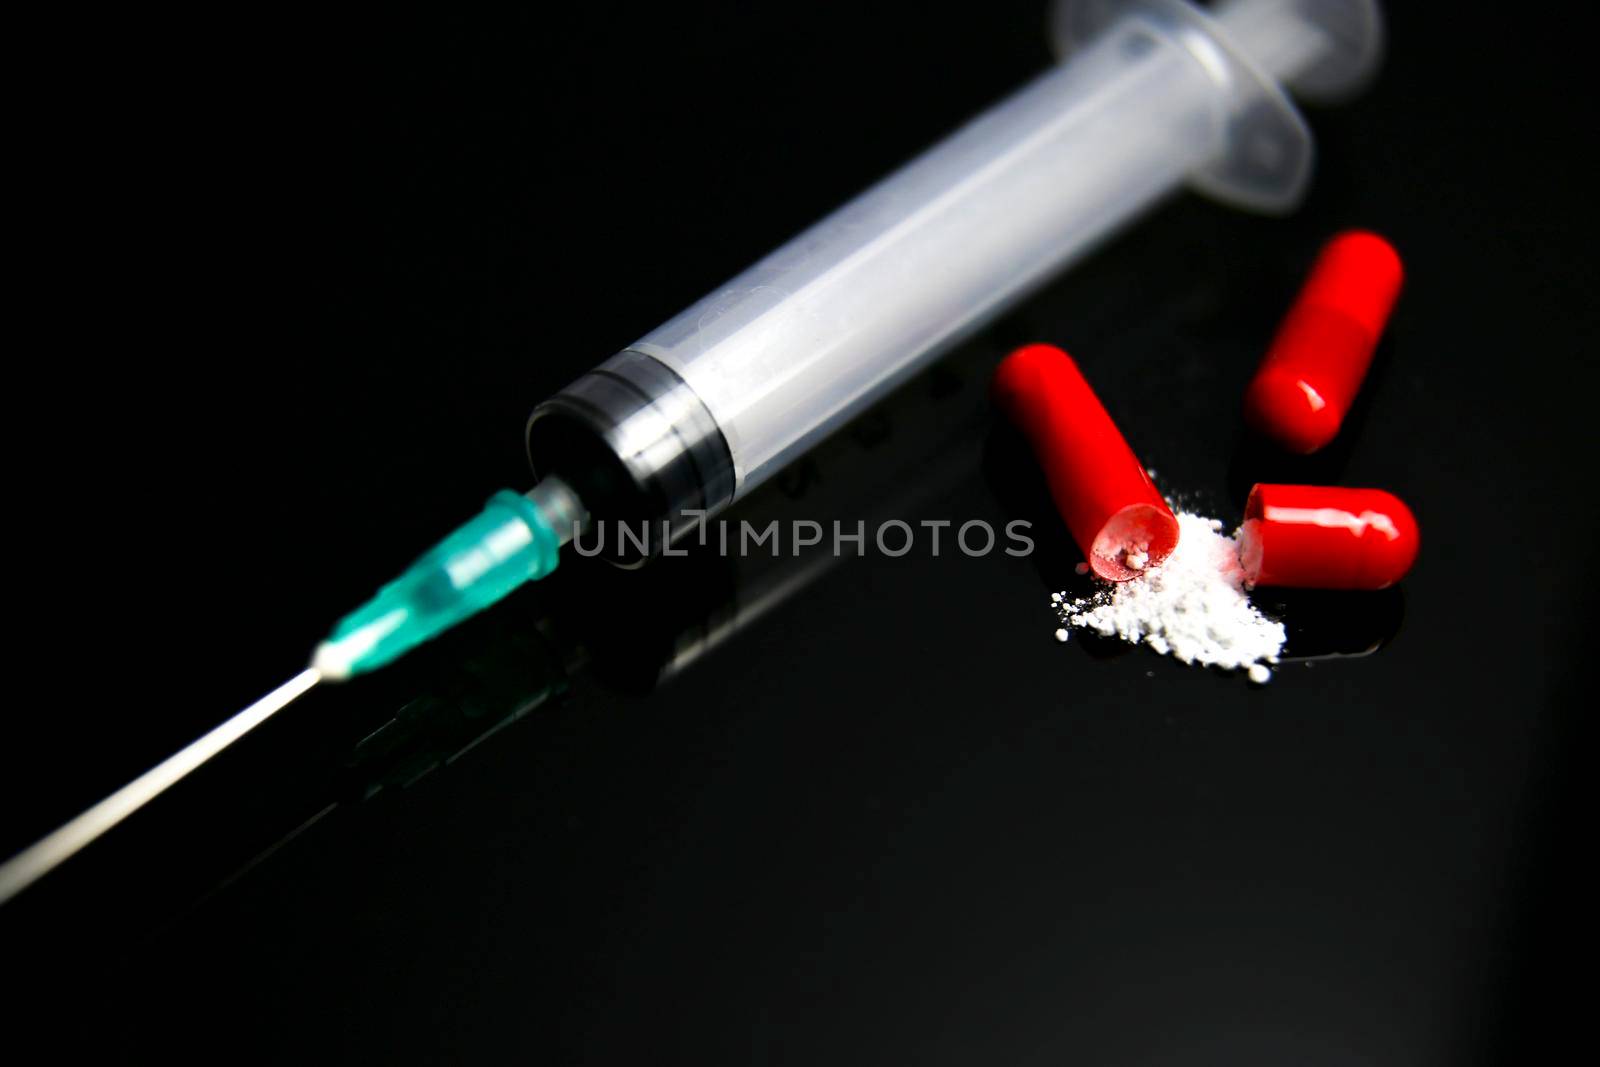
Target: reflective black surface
x=303 y=284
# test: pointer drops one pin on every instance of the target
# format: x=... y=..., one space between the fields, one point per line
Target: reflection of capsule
x=1311 y=374
x=1325 y=624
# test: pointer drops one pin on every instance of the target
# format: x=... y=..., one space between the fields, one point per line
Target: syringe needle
x=37 y=860
x=515 y=540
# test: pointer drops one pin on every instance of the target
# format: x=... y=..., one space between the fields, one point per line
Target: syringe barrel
x=804 y=339
x=810 y=335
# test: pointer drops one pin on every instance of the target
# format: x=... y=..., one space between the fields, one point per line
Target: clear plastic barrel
x=1153 y=93
x=802 y=340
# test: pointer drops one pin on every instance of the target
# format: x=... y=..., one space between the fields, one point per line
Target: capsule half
x=1100 y=488
x=1325 y=537
x=1319 y=358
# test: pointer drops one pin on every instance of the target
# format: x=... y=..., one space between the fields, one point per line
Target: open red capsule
x=1100 y=488
x=1324 y=537
x=1311 y=374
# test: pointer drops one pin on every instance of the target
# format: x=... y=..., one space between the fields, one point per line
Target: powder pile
x=1193 y=607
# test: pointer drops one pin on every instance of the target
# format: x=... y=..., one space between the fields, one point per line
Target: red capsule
x=1322 y=537
x=1306 y=384
x=1100 y=488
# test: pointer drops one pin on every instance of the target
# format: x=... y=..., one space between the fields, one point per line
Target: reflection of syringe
x=889 y=464
x=1155 y=93
x=895 y=462
x=909 y=449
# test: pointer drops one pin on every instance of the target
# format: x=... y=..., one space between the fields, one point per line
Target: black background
x=291 y=283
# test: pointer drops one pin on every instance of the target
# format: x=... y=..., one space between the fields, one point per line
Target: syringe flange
x=1320 y=49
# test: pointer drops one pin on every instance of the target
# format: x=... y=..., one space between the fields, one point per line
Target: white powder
x=1193 y=606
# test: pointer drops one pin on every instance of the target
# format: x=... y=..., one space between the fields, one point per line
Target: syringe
x=706 y=407
x=1151 y=94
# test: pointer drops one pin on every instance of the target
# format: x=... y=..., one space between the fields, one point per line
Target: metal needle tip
x=44 y=855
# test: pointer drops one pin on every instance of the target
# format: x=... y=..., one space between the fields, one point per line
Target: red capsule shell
x=1324 y=537
x=1100 y=488
x=1311 y=374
